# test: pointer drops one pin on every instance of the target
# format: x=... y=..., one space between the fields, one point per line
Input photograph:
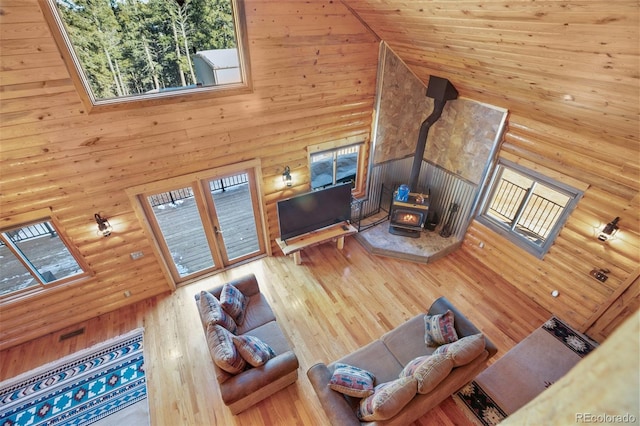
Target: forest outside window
x=527 y=208
x=131 y=50
x=35 y=256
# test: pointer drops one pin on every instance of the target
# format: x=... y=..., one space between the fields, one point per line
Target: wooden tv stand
x=335 y=232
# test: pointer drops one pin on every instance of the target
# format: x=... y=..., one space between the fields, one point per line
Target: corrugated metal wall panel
x=444 y=188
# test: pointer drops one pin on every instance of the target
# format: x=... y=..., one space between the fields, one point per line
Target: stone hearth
x=427 y=248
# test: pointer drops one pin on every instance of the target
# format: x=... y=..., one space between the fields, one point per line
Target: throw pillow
x=352 y=381
x=223 y=350
x=464 y=350
x=253 y=350
x=211 y=312
x=387 y=400
x=428 y=370
x=233 y=302
x=439 y=329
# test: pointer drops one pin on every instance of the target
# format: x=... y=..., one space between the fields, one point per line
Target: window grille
x=526 y=207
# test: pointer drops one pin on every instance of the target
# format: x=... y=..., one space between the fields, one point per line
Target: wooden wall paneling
x=572 y=98
x=624 y=304
x=530 y=277
x=601 y=167
x=571 y=65
x=314 y=69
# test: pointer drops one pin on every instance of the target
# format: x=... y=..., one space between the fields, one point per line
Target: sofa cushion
x=223 y=351
x=352 y=381
x=253 y=350
x=233 y=302
x=211 y=312
x=272 y=335
x=406 y=341
x=428 y=370
x=375 y=358
x=464 y=350
x=257 y=313
x=387 y=400
x=439 y=329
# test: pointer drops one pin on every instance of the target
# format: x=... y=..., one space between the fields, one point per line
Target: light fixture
x=104 y=227
x=609 y=230
x=286 y=176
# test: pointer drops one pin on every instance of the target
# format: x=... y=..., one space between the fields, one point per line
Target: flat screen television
x=314 y=210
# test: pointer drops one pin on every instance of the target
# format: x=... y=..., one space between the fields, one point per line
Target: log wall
x=567 y=72
x=569 y=75
x=314 y=69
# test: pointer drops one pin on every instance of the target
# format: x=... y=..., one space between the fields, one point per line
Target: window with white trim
x=34 y=256
x=526 y=207
x=333 y=166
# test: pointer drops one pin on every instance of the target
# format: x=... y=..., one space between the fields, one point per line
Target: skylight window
x=127 y=50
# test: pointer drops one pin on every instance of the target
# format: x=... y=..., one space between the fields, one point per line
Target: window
x=526 y=207
x=34 y=256
x=139 y=49
x=333 y=166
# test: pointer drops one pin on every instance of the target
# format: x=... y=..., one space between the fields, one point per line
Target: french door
x=205 y=223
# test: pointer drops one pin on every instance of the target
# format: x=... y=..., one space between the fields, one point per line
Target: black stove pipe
x=441 y=90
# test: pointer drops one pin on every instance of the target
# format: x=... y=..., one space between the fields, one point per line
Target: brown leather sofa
x=252 y=385
x=386 y=357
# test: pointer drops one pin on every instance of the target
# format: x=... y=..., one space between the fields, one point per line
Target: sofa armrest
x=253 y=379
x=334 y=404
x=463 y=326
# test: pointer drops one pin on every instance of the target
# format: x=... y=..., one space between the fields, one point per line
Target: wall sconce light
x=104 y=227
x=609 y=230
x=286 y=176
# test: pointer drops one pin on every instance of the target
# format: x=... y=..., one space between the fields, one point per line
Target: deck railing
x=171 y=197
x=521 y=208
x=30 y=232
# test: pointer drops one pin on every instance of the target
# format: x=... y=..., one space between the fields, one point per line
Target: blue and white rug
x=81 y=389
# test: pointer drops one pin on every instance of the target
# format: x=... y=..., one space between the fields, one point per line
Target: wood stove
x=407 y=218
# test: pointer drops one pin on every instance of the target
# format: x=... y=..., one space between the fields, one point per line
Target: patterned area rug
x=525 y=371
x=105 y=384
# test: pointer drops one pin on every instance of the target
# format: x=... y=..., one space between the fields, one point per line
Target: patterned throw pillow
x=211 y=312
x=233 y=302
x=352 y=381
x=428 y=370
x=464 y=350
x=439 y=329
x=253 y=350
x=387 y=400
x=223 y=350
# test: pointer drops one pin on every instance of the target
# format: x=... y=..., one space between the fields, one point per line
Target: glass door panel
x=177 y=215
x=235 y=213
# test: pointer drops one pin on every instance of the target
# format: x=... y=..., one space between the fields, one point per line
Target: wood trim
x=141 y=213
x=206 y=210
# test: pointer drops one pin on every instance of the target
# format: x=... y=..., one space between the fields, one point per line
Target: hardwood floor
x=333 y=303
